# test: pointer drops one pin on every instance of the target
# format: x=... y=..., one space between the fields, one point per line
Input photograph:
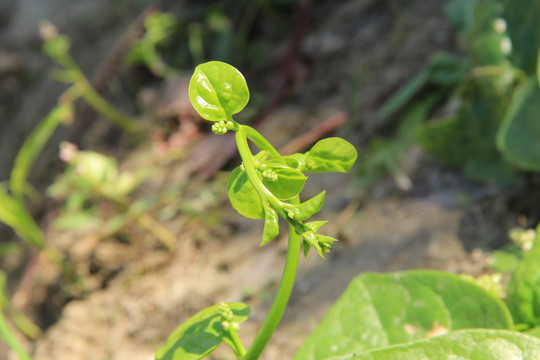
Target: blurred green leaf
x=523 y=293
x=16 y=216
x=522 y=20
x=507 y=259
x=32 y=148
x=519 y=135
x=6 y=333
x=76 y=221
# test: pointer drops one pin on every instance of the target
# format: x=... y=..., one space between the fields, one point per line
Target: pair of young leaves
x=218 y=91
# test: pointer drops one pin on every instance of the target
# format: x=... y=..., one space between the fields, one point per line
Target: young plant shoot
x=265 y=186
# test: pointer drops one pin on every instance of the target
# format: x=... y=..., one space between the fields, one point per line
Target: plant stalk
x=282 y=298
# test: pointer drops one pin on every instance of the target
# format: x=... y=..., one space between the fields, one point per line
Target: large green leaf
x=201 y=334
x=384 y=309
x=243 y=196
x=477 y=344
x=330 y=155
x=519 y=135
x=217 y=91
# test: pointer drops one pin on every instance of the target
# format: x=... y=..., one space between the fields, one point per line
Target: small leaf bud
x=225 y=325
x=219 y=128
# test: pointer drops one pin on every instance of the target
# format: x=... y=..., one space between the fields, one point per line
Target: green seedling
x=57 y=47
x=265 y=186
x=91 y=178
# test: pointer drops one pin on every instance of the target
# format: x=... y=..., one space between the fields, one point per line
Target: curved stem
x=261 y=142
x=247 y=158
x=282 y=298
x=237 y=347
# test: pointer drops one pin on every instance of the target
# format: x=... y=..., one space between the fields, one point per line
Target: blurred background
x=114 y=221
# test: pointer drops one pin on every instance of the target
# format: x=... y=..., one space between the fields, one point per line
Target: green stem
x=282 y=298
x=293 y=251
x=247 y=158
x=96 y=100
x=260 y=141
x=237 y=347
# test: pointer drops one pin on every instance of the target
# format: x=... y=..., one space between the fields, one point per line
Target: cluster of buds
x=266 y=172
x=221 y=127
x=227 y=316
x=269 y=174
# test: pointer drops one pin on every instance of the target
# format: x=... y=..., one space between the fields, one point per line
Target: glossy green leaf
x=523 y=293
x=309 y=207
x=217 y=91
x=519 y=135
x=477 y=344
x=200 y=335
x=379 y=310
x=271 y=225
x=330 y=155
x=290 y=182
x=243 y=196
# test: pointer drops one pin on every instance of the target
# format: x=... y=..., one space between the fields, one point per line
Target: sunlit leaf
x=290 y=182
x=330 y=155
x=200 y=335
x=243 y=196
x=378 y=310
x=476 y=344
x=217 y=91
x=310 y=207
x=271 y=225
